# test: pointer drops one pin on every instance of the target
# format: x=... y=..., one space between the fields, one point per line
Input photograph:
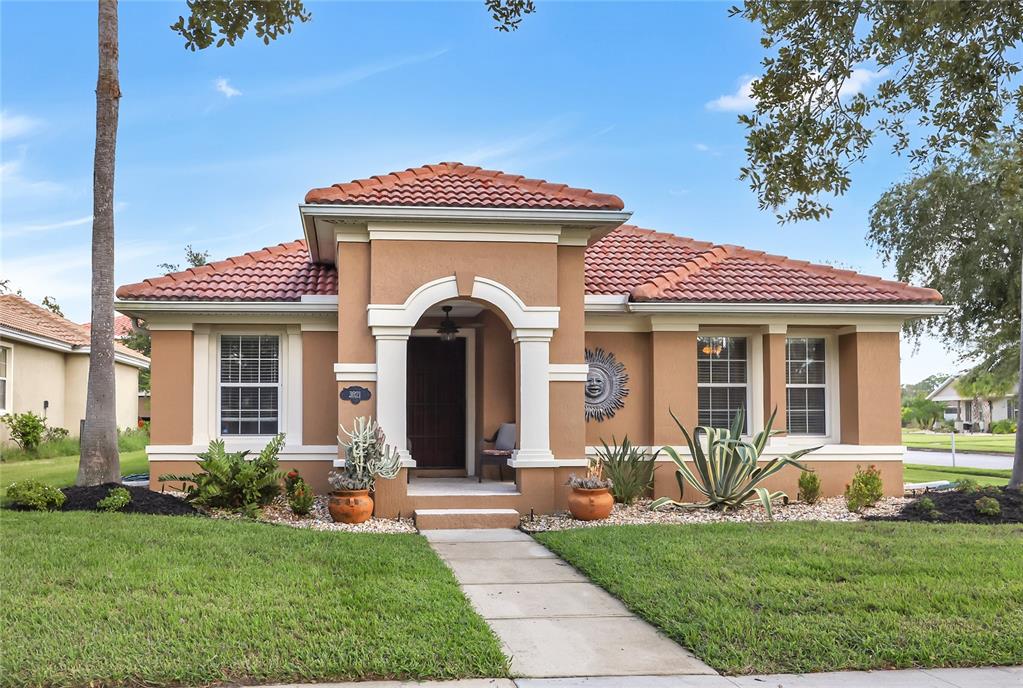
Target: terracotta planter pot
x=590 y=505
x=350 y=506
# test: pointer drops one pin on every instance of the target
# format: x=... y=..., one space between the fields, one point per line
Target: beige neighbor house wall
x=53 y=384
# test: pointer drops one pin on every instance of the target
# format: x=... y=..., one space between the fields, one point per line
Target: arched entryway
x=530 y=329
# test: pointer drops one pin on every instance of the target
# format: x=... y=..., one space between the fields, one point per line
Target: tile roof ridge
x=248 y=258
x=656 y=286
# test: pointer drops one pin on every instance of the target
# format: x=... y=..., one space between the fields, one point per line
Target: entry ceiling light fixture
x=448 y=329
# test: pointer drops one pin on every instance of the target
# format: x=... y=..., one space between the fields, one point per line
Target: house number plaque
x=355 y=395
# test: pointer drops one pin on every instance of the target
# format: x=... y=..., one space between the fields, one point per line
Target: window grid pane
x=806 y=380
x=721 y=376
x=249 y=384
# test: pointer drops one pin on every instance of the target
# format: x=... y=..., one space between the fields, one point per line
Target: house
x=961 y=410
x=44 y=367
x=447 y=300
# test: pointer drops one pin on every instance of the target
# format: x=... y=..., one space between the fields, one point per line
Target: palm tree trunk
x=1016 y=479
x=99 y=461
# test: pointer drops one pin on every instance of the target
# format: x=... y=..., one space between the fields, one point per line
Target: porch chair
x=504 y=442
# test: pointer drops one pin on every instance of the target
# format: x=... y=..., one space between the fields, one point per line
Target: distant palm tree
x=983 y=388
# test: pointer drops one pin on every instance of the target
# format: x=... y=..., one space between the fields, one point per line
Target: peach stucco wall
x=634 y=419
x=319 y=388
x=869 y=388
x=171 y=386
x=400 y=267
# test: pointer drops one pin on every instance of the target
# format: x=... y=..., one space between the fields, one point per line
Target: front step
x=447 y=519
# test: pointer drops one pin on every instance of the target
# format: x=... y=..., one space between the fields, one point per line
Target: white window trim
x=832 y=420
x=8 y=400
x=754 y=375
x=206 y=384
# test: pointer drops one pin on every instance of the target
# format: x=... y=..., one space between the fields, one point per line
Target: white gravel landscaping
x=832 y=509
x=279 y=513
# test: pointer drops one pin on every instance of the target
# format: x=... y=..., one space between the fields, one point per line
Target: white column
x=294 y=386
x=534 y=398
x=392 y=387
x=201 y=385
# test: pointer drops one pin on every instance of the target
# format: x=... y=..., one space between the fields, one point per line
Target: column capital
x=774 y=329
x=391 y=332
x=532 y=334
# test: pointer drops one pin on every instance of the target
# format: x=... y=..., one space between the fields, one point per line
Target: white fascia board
x=918 y=310
x=606 y=303
x=253 y=307
x=320 y=298
x=63 y=347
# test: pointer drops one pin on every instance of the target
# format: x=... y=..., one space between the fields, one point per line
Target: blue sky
x=216 y=148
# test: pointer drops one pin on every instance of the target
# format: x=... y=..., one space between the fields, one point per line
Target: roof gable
x=454 y=185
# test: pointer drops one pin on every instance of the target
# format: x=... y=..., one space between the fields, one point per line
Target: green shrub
x=55 y=435
x=301 y=498
x=1003 y=427
x=630 y=471
x=865 y=489
x=988 y=506
x=925 y=507
x=726 y=472
x=132 y=439
x=967 y=486
x=291 y=479
x=809 y=487
x=34 y=494
x=26 y=429
x=117 y=498
x=229 y=480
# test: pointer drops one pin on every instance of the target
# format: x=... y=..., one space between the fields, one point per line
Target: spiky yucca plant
x=230 y=480
x=726 y=473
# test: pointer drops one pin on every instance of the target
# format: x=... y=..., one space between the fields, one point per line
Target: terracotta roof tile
x=452 y=184
x=122 y=326
x=275 y=273
x=22 y=315
x=707 y=272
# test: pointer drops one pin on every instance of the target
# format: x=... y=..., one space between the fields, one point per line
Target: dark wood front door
x=436 y=402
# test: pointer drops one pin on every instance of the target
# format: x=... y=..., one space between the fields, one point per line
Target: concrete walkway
x=551 y=621
x=986 y=677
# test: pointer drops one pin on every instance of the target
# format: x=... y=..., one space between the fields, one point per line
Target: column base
x=532 y=458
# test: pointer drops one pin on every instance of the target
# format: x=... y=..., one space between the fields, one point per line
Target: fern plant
x=229 y=480
x=727 y=471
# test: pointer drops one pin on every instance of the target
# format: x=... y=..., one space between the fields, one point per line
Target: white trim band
x=568 y=372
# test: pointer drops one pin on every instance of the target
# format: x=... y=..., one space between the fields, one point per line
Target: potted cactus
x=591 y=498
x=367 y=457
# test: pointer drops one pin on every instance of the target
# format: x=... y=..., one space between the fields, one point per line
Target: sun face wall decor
x=605 y=384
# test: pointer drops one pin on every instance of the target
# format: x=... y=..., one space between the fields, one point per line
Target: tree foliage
x=193 y=257
x=922 y=411
x=223 y=22
x=50 y=304
x=508 y=14
x=923 y=387
x=959 y=229
x=948 y=76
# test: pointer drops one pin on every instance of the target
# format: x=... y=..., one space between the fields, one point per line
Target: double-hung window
x=722 y=375
x=250 y=384
x=806 y=385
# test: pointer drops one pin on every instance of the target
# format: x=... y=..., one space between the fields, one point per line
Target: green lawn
x=61 y=471
x=995 y=444
x=116 y=599
x=803 y=597
x=921 y=473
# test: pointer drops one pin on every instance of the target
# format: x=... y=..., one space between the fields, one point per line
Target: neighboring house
x=969 y=418
x=44 y=367
x=123 y=328
x=563 y=320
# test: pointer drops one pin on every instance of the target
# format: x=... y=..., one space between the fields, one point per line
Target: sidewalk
x=986 y=677
x=551 y=620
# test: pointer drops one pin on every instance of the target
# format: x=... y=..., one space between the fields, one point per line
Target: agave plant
x=629 y=469
x=727 y=471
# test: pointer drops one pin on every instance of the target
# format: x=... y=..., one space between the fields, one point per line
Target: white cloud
x=355 y=74
x=223 y=86
x=13 y=126
x=21 y=230
x=742 y=100
x=16 y=185
x=702 y=147
x=739 y=101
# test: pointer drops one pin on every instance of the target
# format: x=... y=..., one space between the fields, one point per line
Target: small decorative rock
x=832 y=509
x=279 y=513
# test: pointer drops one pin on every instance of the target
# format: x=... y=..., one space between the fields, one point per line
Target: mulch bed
x=143 y=501
x=960 y=507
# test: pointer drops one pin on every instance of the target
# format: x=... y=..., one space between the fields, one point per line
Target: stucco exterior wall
x=869 y=388
x=319 y=389
x=171 y=386
x=635 y=419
